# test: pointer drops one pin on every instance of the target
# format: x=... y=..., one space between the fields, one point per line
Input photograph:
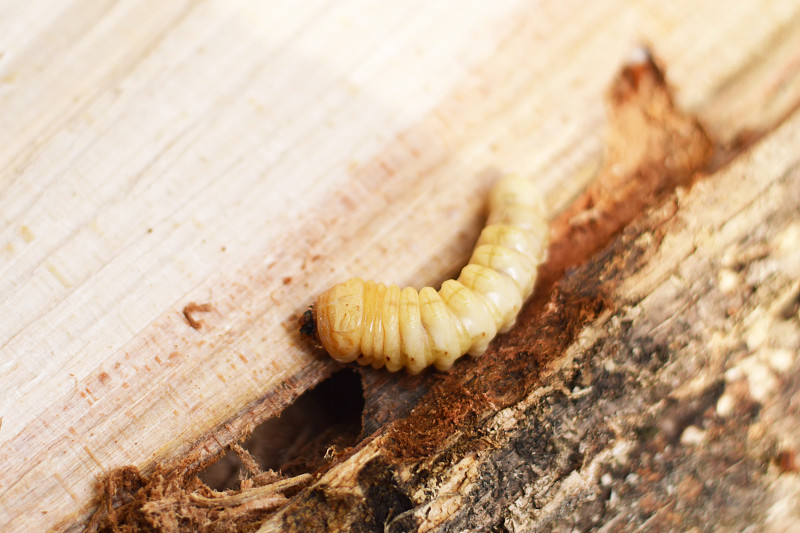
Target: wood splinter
x=192 y=308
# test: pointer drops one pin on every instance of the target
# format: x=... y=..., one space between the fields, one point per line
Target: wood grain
x=156 y=154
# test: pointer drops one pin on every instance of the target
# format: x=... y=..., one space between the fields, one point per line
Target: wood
x=673 y=409
x=225 y=158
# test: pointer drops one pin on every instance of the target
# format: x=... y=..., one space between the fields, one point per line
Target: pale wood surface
x=245 y=155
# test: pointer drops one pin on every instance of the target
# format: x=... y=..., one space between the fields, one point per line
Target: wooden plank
x=155 y=155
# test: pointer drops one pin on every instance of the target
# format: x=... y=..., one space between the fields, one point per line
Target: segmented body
x=374 y=324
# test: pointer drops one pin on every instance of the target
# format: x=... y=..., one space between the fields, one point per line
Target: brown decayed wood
x=176 y=500
x=651 y=148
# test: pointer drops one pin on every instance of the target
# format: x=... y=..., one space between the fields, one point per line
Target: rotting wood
x=169 y=501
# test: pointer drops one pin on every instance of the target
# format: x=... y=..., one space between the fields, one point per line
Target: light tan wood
x=246 y=156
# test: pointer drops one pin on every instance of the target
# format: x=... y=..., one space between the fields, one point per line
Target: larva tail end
x=308 y=323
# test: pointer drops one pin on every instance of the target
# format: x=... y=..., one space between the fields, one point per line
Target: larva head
x=340 y=312
x=308 y=323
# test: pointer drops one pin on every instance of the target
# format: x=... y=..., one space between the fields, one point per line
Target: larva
x=374 y=324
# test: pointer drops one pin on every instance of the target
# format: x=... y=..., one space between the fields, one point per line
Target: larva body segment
x=377 y=325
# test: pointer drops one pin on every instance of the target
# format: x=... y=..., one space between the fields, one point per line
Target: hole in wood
x=319 y=421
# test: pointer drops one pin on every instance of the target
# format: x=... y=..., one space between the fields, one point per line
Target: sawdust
x=175 y=500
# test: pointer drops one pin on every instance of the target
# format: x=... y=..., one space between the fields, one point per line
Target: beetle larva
x=374 y=324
